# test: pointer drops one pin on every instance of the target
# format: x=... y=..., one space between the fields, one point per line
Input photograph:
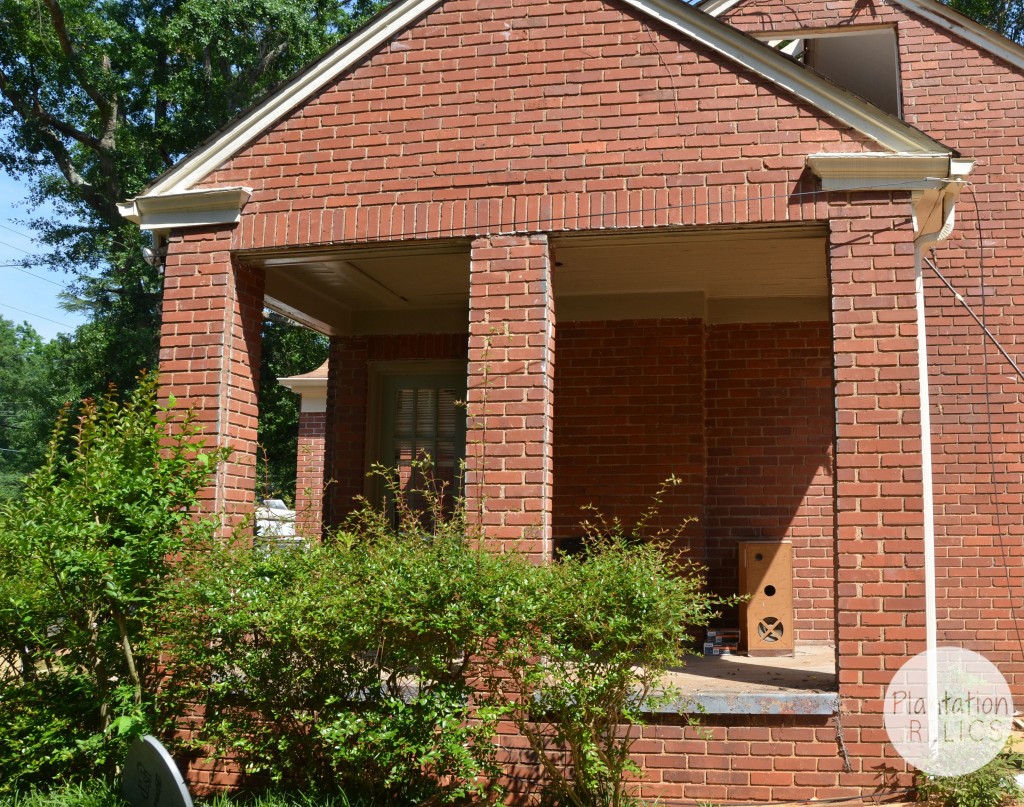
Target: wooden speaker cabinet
x=766 y=618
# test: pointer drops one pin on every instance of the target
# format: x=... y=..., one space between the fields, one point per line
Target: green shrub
x=380 y=663
x=992 y=785
x=346 y=666
x=85 y=559
x=585 y=650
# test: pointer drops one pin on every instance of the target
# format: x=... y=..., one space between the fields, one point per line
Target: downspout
x=946 y=197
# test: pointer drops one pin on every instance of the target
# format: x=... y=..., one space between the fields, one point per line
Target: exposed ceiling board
x=739 y=267
x=355 y=289
x=419 y=277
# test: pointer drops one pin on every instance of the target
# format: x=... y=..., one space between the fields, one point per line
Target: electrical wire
x=16 y=232
x=979 y=320
x=37 y=316
x=12 y=246
x=991 y=427
x=33 y=274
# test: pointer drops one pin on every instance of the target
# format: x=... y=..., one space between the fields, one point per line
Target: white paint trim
x=929 y=228
x=961 y=26
x=887 y=130
x=226 y=144
x=196 y=208
x=937 y=13
x=716 y=8
x=883 y=171
x=312 y=392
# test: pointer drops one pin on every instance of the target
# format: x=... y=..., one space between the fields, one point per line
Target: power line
x=33 y=274
x=14 y=247
x=37 y=315
x=979 y=320
x=16 y=232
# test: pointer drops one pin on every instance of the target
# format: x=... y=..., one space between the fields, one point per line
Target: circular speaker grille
x=770 y=629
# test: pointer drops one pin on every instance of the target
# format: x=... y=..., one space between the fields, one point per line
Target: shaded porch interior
x=699 y=353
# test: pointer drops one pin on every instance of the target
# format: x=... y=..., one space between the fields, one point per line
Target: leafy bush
x=992 y=785
x=380 y=663
x=86 y=554
x=347 y=666
x=97 y=793
x=586 y=648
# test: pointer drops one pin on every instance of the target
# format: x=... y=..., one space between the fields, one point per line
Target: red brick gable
x=507 y=116
x=958 y=91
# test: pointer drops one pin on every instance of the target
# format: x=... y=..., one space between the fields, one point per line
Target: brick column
x=879 y=521
x=511 y=390
x=309 y=477
x=210 y=357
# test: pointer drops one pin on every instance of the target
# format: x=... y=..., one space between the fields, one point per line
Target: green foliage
x=992 y=785
x=585 y=650
x=93 y=793
x=380 y=663
x=22 y=367
x=97 y=793
x=1005 y=17
x=97 y=98
x=288 y=349
x=86 y=555
x=347 y=666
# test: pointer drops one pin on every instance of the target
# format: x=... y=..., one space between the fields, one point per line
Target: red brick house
x=643 y=239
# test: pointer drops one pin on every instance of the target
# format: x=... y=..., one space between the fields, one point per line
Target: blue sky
x=27 y=294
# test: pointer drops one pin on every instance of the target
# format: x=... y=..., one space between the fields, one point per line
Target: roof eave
x=162 y=213
x=933 y=11
x=887 y=130
x=887 y=172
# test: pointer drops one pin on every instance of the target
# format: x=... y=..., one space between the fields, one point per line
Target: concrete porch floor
x=804 y=683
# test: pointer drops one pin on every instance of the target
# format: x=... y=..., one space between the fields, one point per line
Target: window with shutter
x=423 y=418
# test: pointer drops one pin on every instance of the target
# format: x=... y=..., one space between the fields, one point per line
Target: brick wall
x=309 y=480
x=971 y=101
x=879 y=524
x=742 y=414
x=210 y=357
x=511 y=117
x=770 y=411
x=510 y=400
x=530 y=117
x=629 y=413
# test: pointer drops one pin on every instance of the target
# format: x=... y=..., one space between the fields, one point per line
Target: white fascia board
x=188 y=209
x=887 y=130
x=955 y=23
x=890 y=132
x=933 y=11
x=717 y=7
x=883 y=171
x=226 y=144
x=312 y=392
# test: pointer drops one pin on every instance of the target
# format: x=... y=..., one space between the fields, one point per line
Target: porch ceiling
x=751 y=274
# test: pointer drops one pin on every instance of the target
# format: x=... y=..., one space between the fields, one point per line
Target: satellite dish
x=151 y=779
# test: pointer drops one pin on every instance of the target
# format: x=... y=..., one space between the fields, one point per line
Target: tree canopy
x=1005 y=17
x=97 y=98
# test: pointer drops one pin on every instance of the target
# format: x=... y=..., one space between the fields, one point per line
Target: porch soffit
x=717 y=274
x=892 y=134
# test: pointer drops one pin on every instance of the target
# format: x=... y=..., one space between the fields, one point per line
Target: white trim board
x=888 y=131
x=208 y=158
x=933 y=11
